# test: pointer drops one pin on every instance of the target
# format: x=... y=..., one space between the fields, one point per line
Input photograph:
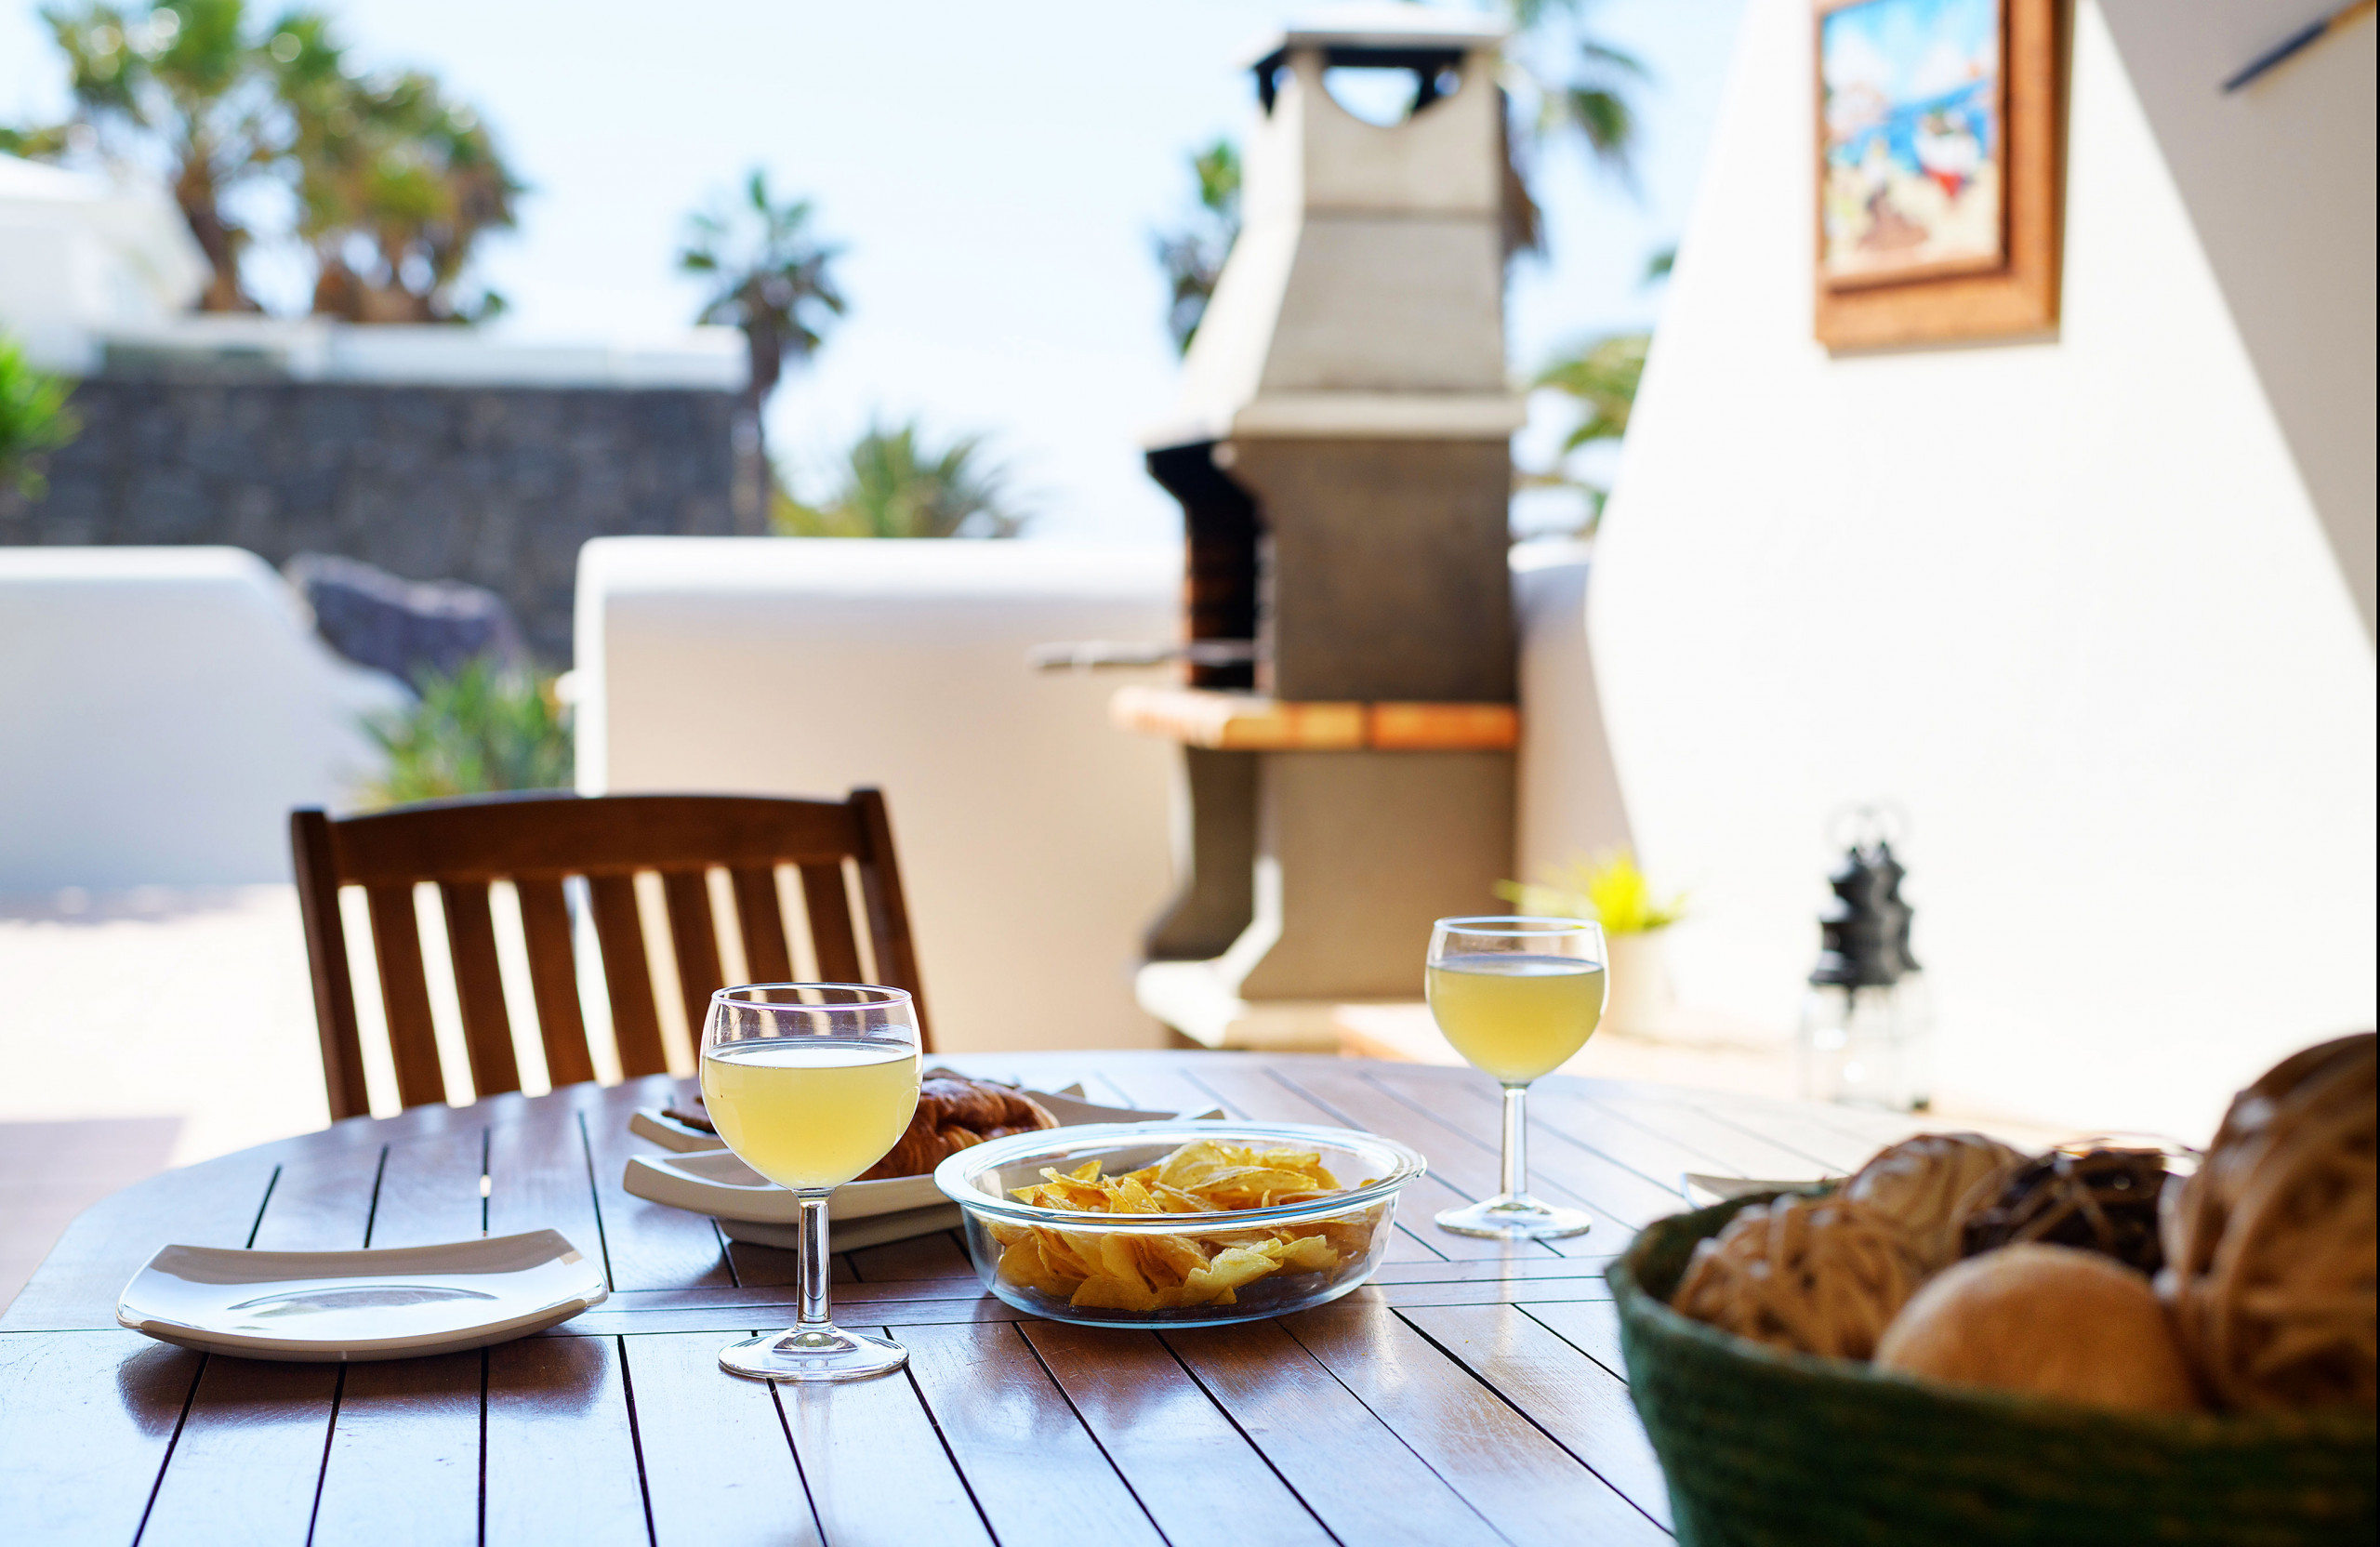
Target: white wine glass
x=1517 y=997
x=811 y=1084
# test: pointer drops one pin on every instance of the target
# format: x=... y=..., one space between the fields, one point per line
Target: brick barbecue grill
x=1341 y=453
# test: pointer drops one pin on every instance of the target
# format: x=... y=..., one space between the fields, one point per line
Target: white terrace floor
x=152 y=1028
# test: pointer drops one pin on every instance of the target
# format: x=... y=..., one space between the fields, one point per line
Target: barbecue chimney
x=1340 y=450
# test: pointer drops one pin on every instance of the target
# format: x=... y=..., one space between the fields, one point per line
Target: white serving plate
x=750 y=1207
x=1703 y=1190
x=392 y=1304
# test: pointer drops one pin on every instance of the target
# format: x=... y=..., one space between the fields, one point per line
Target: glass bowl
x=1126 y=1270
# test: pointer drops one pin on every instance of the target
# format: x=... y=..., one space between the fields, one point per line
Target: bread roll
x=2052 y=1321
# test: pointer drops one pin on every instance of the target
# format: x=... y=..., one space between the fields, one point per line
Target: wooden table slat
x=249 y=1460
x=1364 y=1483
x=719 y=1465
x=430 y=1189
x=561 y=1452
x=875 y=1467
x=323 y=1203
x=86 y=1419
x=404 y=1452
x=1191 y=1469
x=1529 y=1488
x=539 y=1174
x=646 y=1245
x=1583 y=1405
x=1037 y=1475
x=1590 y=1326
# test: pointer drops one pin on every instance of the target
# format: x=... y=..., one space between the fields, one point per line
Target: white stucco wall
x=1033 y=836
x=2068 y=602
x=162 y=709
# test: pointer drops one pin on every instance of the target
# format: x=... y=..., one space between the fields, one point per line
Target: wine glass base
x=821 y=1354
x=1510 y=1218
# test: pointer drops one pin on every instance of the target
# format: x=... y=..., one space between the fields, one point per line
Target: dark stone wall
x=496 y=485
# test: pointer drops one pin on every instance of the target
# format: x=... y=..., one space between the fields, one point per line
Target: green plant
x=394 y=181
x=894 y=484
x=1193 y=256
x=483 y=727
x=1608 y=889
x=33 y=419
x=770 y=276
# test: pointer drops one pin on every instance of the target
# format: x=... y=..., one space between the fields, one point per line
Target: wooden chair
x=535 y=841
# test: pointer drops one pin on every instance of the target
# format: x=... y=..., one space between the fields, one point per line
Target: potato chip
x=1143 y=1271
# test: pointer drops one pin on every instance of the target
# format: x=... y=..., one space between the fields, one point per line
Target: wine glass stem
x=1515 y=1139
x=815 y=1272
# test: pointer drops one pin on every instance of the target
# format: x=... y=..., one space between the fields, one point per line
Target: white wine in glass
x=1518 y=997
x=810 y=1084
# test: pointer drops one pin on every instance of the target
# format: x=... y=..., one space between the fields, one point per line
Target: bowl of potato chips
x=1177 y=1223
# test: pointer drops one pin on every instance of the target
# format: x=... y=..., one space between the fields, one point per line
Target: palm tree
x=770 y=277
x=186 y=78
x=1193 y=256
x=396 y=183
x=894 y=484
x=1563 y=79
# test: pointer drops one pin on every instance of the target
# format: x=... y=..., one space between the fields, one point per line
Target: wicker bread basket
x=1762 y=1446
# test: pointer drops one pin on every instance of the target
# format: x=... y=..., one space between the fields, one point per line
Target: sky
x=993 y=173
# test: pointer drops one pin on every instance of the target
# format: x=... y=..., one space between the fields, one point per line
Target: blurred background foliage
x=768 y=275
x=894 y=483
x=394 y=180
x=35 y=421
x=482 y=728
x=1608 y=888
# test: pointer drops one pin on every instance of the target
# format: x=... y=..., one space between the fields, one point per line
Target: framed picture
x=1938 y=170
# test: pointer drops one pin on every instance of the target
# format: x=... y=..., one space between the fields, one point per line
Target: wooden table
x=1472 y=1392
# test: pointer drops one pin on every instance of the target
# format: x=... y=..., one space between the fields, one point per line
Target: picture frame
x=1938 y=131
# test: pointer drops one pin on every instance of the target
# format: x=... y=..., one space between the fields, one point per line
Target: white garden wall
x=1032 y=834
x=161 y=711
x=2068 y=603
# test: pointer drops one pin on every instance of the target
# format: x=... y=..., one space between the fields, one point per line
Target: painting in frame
x=1938 y=168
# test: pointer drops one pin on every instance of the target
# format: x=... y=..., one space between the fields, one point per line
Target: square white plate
x=390 y=1303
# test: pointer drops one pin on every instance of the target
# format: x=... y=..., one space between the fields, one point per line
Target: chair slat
x=317 y=868
x=635 y=1023
x=831 y=938
x=553 y=977
x=888 y=904
x=404 y=988
x=479 y=984
x=762 y=923
x=695 y=939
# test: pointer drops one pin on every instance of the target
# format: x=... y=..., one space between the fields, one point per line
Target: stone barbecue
x=1340 y=450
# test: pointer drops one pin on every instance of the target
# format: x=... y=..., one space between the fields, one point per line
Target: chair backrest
x=537 y=842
